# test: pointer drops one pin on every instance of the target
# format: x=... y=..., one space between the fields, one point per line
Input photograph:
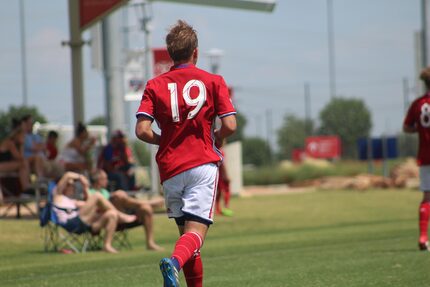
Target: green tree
x=17 y=112
x=256 y=151
x=350 y=119
x=239 y=134
x=98 y=121
x=292 y=134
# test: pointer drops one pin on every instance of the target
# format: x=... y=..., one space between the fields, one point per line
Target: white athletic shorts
x=425 y=177
x=192 y=192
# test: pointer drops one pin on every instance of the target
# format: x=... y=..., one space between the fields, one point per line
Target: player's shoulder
x=421 y=100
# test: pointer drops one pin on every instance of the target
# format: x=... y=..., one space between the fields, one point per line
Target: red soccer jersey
x=419 y=115
x=185 y=102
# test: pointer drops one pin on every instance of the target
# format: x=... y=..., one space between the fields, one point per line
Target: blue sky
x=268 y=57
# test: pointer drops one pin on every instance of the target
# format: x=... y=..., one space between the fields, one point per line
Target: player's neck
x=183 y=64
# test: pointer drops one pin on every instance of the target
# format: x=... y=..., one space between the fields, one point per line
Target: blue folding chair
x=57 y=238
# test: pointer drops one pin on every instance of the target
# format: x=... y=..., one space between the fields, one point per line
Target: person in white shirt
x=93 y=214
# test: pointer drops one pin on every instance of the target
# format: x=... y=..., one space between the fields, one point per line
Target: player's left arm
x=226 y=112
x=228 y=127
x=145 y=132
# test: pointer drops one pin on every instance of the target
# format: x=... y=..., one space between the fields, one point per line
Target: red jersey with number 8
x=185 y=103
x=419 y=115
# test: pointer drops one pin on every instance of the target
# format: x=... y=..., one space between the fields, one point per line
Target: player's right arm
x=145 y=117
x=409 y=123
x=409 y=129
x=144 y=131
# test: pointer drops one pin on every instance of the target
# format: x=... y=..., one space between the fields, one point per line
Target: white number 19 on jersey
x=198 y=102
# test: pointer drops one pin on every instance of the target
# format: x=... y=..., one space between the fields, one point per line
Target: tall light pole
x=424 y=40
x=76 y=44
x=307 y=91
x=23 y=54
x=214 y=56
x=331 y=49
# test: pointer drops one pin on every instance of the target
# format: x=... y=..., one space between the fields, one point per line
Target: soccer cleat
x=424 y=246
x=169 y=272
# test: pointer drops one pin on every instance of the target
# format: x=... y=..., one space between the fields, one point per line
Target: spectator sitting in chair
x=117 y=161
x=122 y=201
x=75 y=155
x=51 y=145
x=93 y=214
x=34 y=147
x=35 y=151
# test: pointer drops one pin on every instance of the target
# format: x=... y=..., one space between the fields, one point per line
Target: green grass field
x=342 y=238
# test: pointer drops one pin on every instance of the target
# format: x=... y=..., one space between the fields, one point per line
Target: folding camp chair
x=57 y=238
x=120 y=239
x=11 y=194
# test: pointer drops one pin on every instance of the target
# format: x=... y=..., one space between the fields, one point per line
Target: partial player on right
x=418 y=120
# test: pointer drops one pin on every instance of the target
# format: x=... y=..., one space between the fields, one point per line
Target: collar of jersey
x=182 y=66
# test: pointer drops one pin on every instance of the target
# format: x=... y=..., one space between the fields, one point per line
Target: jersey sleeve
x=224 y=106
x=147 y=106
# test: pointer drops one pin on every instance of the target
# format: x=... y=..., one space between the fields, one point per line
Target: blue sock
x=175 y=263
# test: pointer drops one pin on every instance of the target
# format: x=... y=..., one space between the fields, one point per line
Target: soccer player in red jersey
x=185 y=103
x=223 y=191
x=418 y=120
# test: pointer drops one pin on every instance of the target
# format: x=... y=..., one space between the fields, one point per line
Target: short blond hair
x=425 y=76
x=181 y=41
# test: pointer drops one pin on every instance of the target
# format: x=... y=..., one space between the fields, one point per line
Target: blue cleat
x=169 y=272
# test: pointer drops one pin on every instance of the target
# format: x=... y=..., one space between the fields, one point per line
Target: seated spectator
x=121 y=200
x=51 y=145
x=34 y=147
x=93 y=214
x=12 y=158
x=116 y=159
x=76 y=154
x=35 y=151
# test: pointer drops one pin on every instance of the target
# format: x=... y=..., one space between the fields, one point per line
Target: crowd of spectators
x=36 y=159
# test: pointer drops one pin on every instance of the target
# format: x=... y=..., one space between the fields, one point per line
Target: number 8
x=425 y=115
x=198 y=102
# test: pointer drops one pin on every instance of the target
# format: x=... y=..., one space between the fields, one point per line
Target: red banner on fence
x=323 y=147
x=162 y=61
x=91 y=11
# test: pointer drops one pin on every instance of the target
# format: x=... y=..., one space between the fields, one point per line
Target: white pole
x=76 y=54
x=145 y=25
x=23 y=54
x=112 y=48
x=331 y=49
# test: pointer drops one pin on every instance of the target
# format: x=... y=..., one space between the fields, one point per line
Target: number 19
x=198 y=102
